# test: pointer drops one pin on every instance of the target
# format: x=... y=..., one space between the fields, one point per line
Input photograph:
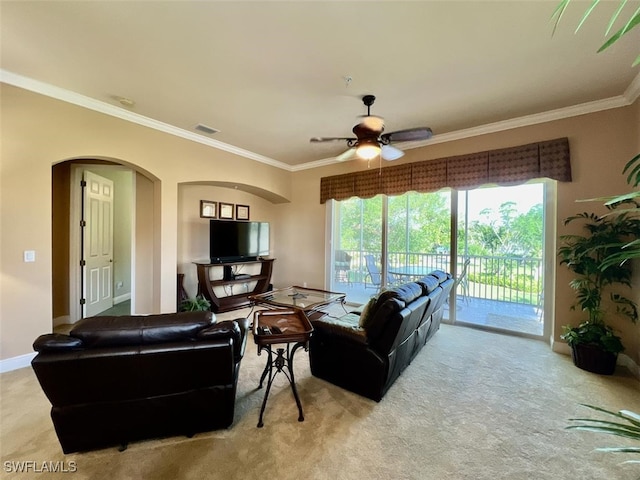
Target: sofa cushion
x=383 y=314
x=366 y=313
x=141 y=329
x=407 y=292
x=344 y=326
x=429 y=283
x=402 y=295
x=440 y=275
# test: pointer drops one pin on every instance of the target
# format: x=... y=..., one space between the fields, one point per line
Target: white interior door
x=98 y=244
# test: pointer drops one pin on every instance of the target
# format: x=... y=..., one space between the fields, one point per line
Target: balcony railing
x=506 y=279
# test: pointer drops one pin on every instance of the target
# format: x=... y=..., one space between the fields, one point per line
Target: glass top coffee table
x=310 y=300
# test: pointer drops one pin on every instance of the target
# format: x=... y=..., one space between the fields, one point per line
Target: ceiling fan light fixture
x=368 y=149
x=369 y=141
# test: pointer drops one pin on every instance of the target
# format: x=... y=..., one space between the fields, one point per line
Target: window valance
x=506 y=166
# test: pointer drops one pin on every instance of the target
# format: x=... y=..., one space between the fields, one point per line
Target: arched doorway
x=133 y=246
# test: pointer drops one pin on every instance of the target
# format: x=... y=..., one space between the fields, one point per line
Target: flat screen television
x=233 y=241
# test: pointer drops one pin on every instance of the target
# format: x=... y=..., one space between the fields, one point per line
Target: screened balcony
x=503 y=293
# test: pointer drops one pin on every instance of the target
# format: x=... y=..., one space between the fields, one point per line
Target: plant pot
x=593 y=359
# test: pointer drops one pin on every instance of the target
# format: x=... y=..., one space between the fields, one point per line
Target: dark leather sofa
x=366 y=351
x=113 y=380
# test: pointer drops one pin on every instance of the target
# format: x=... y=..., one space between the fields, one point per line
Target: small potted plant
x=199 y=303
x=593 y=343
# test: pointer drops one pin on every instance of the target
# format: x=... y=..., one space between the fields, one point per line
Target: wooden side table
x=289 y=327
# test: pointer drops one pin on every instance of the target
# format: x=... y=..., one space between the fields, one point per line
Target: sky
x=525 y=197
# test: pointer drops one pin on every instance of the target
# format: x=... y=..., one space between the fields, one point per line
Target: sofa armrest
x=358 y=310
x=226 y=329
x=345 y=326
x=245 y=327
x=244 y=324
x=54 y=342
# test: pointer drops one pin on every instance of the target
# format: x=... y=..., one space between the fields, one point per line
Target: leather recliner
x=367 y=355
x=113 y=380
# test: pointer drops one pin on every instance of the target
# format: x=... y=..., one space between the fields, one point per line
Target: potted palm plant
x=627 y=251
x=630 y=250
x=601 y=259
x=593 y=343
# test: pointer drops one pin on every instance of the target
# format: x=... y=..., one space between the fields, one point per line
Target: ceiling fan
x=371 y=142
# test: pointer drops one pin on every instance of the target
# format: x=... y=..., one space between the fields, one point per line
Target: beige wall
x=304 y=231
x=38 y=132
x=61 y=176
x=144 y=278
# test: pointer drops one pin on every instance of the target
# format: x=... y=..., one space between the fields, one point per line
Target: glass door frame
x=548 y=256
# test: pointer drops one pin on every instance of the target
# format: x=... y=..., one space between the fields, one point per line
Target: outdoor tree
x=418 y=222
x=361 y=224
x=509 y=233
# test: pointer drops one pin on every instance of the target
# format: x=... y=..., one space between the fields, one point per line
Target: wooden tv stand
x=216 y=282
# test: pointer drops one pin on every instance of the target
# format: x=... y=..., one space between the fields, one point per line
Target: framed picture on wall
x=225 y=211
x=208 y=209
x=242 y=212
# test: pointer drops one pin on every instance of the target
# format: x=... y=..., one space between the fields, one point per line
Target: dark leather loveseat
x=117 y=379
x=366 y=351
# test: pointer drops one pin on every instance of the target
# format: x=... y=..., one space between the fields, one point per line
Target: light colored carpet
x=473 y=405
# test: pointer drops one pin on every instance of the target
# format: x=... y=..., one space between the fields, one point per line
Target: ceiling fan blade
x=347 y=155
x=408 y=135
x=330 y=139
x=389 y=152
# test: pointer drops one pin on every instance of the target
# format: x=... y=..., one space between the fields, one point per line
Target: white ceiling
x=271 y=75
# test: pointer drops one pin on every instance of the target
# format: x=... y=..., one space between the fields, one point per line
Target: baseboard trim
x=560 y=347
x=122 y=298
x=14 y=363
x=627 y=361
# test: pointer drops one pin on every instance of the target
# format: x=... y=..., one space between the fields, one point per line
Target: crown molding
x=630 y=95
x=561 y=113
x=315 y=164
x=525 y=121
x=108 y=109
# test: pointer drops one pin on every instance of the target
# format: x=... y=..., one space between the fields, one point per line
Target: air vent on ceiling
x=204 y=129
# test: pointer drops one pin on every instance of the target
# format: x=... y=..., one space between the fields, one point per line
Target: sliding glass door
x=358 y=229
x=500 y=258
x=383 y=241
x=490 y=239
